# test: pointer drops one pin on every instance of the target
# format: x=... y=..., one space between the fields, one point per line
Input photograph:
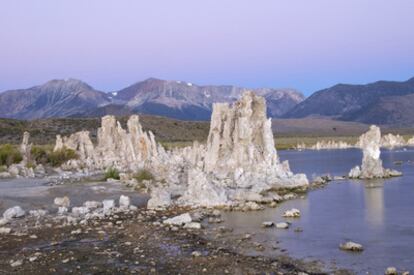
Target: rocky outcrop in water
x=371 y=167
x=391 y=141
x=410 y=142
x=326 y=145
x=239 y=163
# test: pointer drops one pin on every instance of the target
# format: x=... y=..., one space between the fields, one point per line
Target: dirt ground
x=132 y=243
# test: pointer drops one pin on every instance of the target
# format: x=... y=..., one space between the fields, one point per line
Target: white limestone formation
x=371 y=167
x=326 y=145
x=239 y=163
x=25 y=148
x=410 y=142
x=125 y=150
x=391 y=141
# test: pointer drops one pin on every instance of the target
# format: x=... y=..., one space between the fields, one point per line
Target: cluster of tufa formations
x=237 y=167
x=239 y=163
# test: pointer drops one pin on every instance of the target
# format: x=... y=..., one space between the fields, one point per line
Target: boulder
x=351 y=246
x=13 y=212
x=80 y=211
x=179 y=220
x=282 y=225
x=292 y=213
x=5 y=230
x=391 y=271
x=92 y=204
x=108 y=205
x=62 y=201
x=268 y=224
x=124 y=202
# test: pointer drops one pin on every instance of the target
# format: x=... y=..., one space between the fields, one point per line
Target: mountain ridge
x=174 y=99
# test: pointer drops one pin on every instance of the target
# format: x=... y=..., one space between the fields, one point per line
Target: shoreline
x=134 y=242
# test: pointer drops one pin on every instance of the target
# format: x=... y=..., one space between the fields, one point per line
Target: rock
x=193 y=225
x=92 y=204
x=62 y=210
x=3 y=221
x=292 y=213
x=351 y=246
x=13 y=212
x=160 y=199
x=5 y=230
x=268 y=224
x=80 y=211
x=252 y=206
x=62 y=201
x=16 y=263
x=179 y=220
x=5 y=175
x=33 y=259
x=38 y=213
x=124 y=202
x=391 y=271
x=76 y=232
x=196 y=254
x=108 y=205
x=355 y=172
x=282 y=225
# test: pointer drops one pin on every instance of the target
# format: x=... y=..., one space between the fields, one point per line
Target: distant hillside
x=44 y=131
x=173 y=99
x=382 y=102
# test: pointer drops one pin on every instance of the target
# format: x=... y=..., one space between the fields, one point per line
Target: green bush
x=112 y=173
x=9 y=155
x=59 y=157
x=142 y=175
x=39 y=155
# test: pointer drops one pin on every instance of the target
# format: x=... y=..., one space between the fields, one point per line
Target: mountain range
x=382 y=102
x=175 y=99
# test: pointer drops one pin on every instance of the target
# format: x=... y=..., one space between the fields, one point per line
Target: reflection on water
x=378 y=214
x=374 y=202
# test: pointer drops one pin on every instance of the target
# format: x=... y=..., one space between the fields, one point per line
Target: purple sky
x=306 y=45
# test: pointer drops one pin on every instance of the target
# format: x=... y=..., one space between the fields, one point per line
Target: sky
x=307 y=45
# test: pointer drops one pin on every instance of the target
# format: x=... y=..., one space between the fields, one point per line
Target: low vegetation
x=57 y=158
x=142 y=175
x=9 y=154
x=112 y=173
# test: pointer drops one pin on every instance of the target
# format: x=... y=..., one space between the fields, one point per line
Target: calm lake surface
x=378 y=214
x=37 y=194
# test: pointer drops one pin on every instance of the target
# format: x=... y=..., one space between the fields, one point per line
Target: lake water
x=379 y=214
x=37 y=194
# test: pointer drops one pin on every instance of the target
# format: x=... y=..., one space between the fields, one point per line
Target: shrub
x=142 y=175
x=112 y=173
x=61 y=156
x=9 y=155
x=39 y=155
